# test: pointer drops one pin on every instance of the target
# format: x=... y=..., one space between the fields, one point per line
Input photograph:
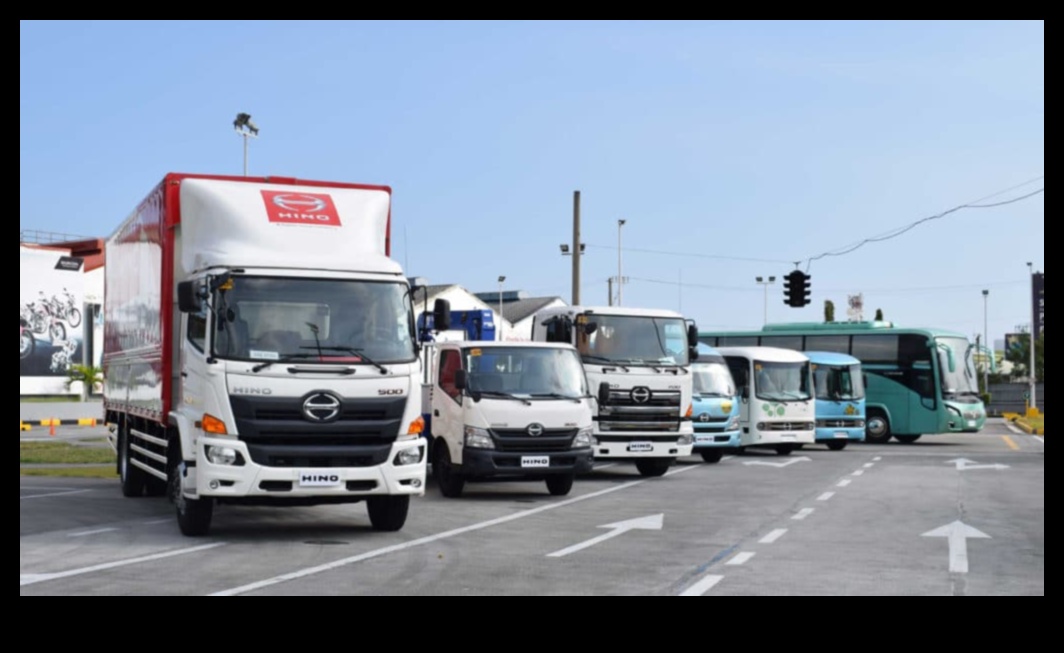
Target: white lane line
x=159 y=521
x=702 y=587
x=740 y=559
x=398 y=548
x=99 y=531
x=844 y=483
x=33 y=579
x=869 y=465
x=827 y=496
x=774 y=536
x=802 y=515
x=54 y=494
x=875 y=460
x=859 y=472
x=45 y=488
x=1014 y=429
x=600 y=467
x=682 y=470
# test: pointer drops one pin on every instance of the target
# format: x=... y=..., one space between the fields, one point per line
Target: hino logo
x=704 y=417
x=262 y=392
x=299 y=203
x=322 y=407
x=535 y=430
x=641 y=395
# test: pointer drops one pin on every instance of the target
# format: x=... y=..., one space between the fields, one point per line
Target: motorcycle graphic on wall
x=42 y=319
x=26 y=341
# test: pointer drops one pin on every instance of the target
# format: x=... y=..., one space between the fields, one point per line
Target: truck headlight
x=224 y=457
x=734 y=425
x=685 y=440
x=408 y=457
x=478 y=438
x=585 y=438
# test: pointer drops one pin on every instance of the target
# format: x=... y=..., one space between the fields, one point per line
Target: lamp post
x=1034 y=344
x=502 y=280
x=988 y=350
x=620 y=262
x=766 y=283
x=246 y=129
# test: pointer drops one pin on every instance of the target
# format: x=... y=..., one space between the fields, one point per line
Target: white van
x=777 y=402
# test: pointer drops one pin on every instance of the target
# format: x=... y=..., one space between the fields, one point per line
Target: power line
x=878 y=291
x=974 y=204
x=692 y=255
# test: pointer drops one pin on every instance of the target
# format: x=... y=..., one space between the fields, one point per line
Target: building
x=519 y=310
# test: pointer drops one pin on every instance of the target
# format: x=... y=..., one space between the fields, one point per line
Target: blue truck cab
x=716 y=406
x=838 y=381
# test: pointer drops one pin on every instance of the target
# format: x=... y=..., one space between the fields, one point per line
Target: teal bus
x=917 y=381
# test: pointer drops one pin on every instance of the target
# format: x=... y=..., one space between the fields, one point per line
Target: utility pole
x=1034 y=344
x=576 y=248
x=620 y=270
x=610 y=282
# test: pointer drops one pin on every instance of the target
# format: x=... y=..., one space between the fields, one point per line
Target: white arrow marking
x=965 y=465
x=790 y=462
x=702 y=587
x=958 y=534
x=654 y=523
x=33 y=579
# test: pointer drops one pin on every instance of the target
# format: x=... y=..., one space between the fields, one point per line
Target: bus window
x=794 y=343
x=876 y=349
x=834 y=344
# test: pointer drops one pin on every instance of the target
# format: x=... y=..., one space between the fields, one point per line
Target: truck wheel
x=838 y=445
x=654 y=467
x=713 y=456
x=133 y=478
x=388 y=514
x=877 y=430
x=560 y=486
x=451 y=483
x=156 y=488
x=194 y=516
x=784 y=449
x=908 y=439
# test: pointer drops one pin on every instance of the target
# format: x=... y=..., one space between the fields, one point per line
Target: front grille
x=278 y=434
x=785 y=426
x=627 y=411
x=837 y=423
x=512 y=440
x=622 y=439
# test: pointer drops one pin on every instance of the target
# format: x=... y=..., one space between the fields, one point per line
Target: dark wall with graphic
x=52 y=323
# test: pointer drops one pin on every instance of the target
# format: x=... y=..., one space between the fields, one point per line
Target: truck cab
x=509 y=411
x=638 y=363
x=777 y=406
x=716 y=416
x=838 y=381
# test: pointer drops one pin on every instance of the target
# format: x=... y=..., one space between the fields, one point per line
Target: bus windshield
x=713 y=380
x=635 y=340
x=960 y=382
x=782 y=381
x=838 y=382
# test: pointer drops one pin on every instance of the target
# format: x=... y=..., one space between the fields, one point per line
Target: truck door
x=191 y=372
x=447 y=420
x=740 y=371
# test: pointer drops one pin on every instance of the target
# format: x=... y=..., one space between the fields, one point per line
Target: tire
x=155 y=488
x=837 y=445
x=654 y=467
x=908 y=439
x=451 y=483
x=877 y=430
x=194 y=516
x=58 y=332
x=785 y=449
x=713 y=456
x=388 y=514
x=74 y=318
x=26 y=344
x=560 y=486
x=133 y=479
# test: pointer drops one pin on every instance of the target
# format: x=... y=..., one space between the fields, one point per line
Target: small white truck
x=509 y=410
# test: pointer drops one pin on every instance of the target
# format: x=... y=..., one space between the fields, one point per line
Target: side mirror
x=692 y=335
x=188 y=300
x=744 y=393
x=461 y=380
x=693 y=354
x=590 y=328
x=441 y=315
x=604 y=394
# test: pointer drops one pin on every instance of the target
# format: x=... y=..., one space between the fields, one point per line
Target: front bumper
x=636 y=449
x=487 y=463
x=252 y=481
x=840 y=434
x=717 y=440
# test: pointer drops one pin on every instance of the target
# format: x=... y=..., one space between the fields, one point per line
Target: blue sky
x=761 y=143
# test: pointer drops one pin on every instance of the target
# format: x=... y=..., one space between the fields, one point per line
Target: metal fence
x=1012 y=398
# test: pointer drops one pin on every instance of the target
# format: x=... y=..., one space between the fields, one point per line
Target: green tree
x=90 y=376
x=1020 y=357
x=879 y=315
x=829 y=311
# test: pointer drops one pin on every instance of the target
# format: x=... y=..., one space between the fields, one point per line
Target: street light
x=246 y=129
x=502 y=280
x=620 y=261
x=989 y=351
x=1034 y=324
x=766 y=283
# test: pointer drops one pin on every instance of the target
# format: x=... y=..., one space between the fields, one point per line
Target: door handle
x=435 y=413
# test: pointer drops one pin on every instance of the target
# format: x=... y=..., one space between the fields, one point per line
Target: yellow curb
x=23 y=427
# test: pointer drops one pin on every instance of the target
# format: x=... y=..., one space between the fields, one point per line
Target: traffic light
x=797 y=289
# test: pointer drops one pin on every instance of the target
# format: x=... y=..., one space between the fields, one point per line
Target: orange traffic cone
x=51 y=427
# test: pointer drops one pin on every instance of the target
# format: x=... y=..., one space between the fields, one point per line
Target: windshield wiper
x=291 y=358
x=605 y=361
x=504 y=395
x=556 y=395
x=351 y=350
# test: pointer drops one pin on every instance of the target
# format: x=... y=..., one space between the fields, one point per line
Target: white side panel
x=243 y=224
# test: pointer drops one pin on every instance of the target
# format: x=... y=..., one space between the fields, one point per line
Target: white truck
x=507 y=410
x=260 y=349
x=777 y=407
x=638 y=363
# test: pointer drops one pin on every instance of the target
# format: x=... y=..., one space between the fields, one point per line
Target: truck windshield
x=264 y=319
x=838 y=382
x=782 y=381
x=526 y=372
x=713 y=380
x=632 y=340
